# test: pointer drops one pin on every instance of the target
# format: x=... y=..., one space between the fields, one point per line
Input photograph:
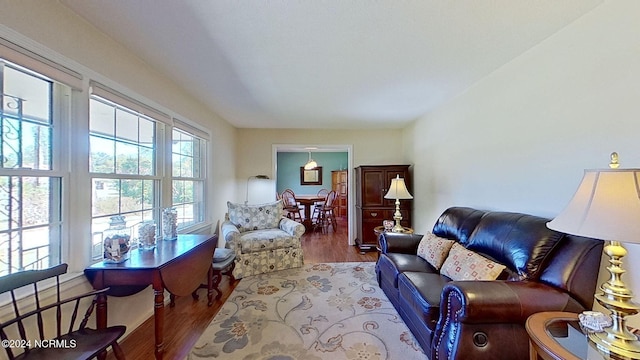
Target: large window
x=53 y=207
x=30 y=183
x=124 y=178
x=188 y=177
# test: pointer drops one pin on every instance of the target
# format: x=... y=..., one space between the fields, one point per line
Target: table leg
x=307 y=217
x=210 y=286
x=158 y=316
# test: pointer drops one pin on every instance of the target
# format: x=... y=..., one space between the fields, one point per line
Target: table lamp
x=398 y=190
x=607 y=206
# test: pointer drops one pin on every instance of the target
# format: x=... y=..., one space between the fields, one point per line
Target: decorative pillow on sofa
x=463 y=264
x=255 y=217
x=434 y=249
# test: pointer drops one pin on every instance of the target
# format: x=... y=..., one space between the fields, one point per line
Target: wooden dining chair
x=326 y=217
x=291 y=205
x=27 y=326
x=317 y=206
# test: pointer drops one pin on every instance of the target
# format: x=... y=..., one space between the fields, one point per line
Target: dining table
x=307 y=201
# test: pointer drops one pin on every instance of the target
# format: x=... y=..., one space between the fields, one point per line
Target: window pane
x=126 y=158
x=102 y=158
x=126 y=126
x=29 y=223
x=101 y=118
x=147 y=166
x=106 y=197
x=34 y=90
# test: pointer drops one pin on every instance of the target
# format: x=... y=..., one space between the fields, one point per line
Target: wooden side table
x=557 y=335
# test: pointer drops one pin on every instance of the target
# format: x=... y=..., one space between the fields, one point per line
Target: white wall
x=520 y=139
x=50 y=27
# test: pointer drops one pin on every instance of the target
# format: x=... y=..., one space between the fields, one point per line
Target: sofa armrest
x=291 y=227
x=479 y=318
x=500 y=301
x=399 y=243
x=231 y=236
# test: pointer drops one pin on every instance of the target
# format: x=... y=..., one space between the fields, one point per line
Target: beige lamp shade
x=398 y=189
x=606 y=206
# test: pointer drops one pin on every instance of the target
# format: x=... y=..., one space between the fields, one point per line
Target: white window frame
x=122 y=103
x=60 y=95
x=198 y=201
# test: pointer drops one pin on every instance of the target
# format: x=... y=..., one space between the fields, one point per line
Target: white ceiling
x=332 y=63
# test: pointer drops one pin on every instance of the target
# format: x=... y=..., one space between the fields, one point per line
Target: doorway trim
x=276 y=148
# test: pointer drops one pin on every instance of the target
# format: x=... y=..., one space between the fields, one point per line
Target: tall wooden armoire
x=372 y=183
x=340 y=184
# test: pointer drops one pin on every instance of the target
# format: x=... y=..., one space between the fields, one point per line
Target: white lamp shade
x=606 y=206
x=312 y=164
x=398 y=189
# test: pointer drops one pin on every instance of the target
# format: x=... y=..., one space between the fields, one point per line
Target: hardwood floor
x=185 y=322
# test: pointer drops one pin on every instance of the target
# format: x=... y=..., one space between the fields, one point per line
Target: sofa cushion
x=458 y=223
x=463 y=264
x=255 y=217
x=434 y=249
x=519 y=241
x=393 y=264
x=421 y=293
x=267 y=239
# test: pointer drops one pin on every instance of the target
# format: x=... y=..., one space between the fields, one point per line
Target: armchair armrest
x=399 y=243
x=231 y=236
x=291 y=227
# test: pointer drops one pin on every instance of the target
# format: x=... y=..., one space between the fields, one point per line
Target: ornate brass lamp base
x=615 y=347
x=617 y=341
x=397 y=216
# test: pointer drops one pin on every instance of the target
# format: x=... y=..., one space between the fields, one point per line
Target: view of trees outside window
x=122 y=165
x=30 y=191
x=188 y=181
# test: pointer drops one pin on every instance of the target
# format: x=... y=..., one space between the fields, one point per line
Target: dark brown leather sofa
x=546 y=271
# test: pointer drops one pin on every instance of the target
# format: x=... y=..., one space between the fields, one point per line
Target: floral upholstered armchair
x=262 y=238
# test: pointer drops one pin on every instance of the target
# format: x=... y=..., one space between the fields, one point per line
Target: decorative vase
x=116 y=241
x=169 y=224
x=147 y=236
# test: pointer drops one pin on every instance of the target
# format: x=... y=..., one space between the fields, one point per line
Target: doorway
x=316 y=148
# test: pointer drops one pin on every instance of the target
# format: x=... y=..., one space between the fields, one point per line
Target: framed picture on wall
x=311 y=177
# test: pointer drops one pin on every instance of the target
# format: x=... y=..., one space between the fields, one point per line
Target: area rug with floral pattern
x=319 y=311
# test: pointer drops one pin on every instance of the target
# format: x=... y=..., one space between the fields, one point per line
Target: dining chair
x=317 y=206
x=326 y=216
x=291 y=205
x=65 y=326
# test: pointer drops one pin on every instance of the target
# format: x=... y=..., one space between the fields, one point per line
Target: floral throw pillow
x=255 y=217
x=434 y=249
x=463 y=264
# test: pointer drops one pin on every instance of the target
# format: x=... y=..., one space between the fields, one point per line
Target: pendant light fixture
x=311 y=164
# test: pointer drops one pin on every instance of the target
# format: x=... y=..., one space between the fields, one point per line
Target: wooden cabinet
x=372 y=183
x=339 y=184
